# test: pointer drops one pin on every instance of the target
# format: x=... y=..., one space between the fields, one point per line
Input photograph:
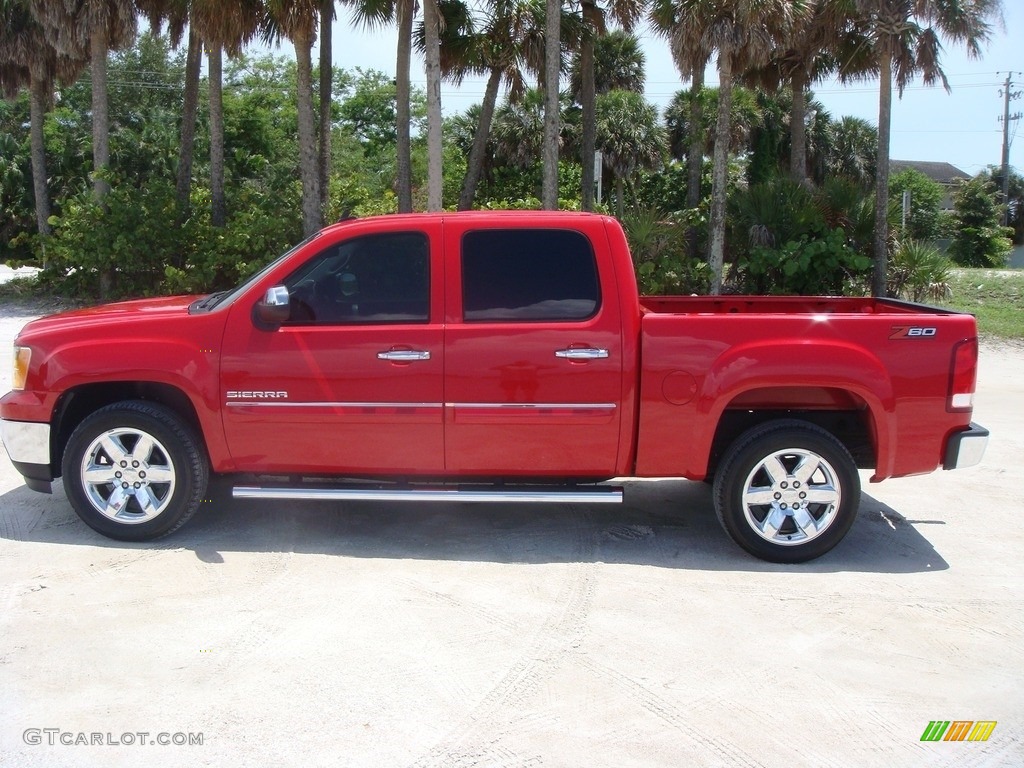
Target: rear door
x=533 y=352
x=352 y=382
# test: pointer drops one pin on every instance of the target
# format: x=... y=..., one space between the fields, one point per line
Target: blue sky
x=960 y=127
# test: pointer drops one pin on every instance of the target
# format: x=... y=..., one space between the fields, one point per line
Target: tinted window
x=528 y=274
x=373 y=279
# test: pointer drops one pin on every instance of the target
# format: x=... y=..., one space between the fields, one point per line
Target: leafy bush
x=130 y=235
x=134 y=237
x=658 y=244
x=789 y=239
x=264 y=226
x=918 y=271
x=978 y=238
x=818 y=262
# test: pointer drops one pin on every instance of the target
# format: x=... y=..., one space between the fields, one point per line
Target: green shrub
x=131 y=236
x=657 y=242
x=918 y=271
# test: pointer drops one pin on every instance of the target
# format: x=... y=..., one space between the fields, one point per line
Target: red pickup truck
x=488 y=356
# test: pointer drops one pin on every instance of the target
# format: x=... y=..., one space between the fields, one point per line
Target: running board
x=596 y=495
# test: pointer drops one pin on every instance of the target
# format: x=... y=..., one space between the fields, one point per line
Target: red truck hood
x=148 y=309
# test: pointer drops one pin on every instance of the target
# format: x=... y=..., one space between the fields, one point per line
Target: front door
x=352 y=382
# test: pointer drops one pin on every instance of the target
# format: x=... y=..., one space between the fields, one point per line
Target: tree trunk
x=798 y=128
x=100 y=113
x=719 y=176
x=695 y=154
x=588 y=103
x=403 y=169
x=326 y=87
x=100 y=135
x=881 y=244
x=475 y=165
x=620 y=196
x=308 y=168
x=218 y=204
x=189 y=110
x=435 y=150
x=38 y=98
x=552 y=67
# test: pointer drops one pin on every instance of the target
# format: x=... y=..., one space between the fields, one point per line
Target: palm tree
x=905 y=38
x=829 y=34
x=176 y=14
x=373 y=14
x=619 y=63
x=98 y=26
x=297 y=20
x=225 y=25
x=691 y=55
x=744 y=32
x=629 y=137
x=854 y=151
x=552 y=71
x=435 y=149
x=28 y=58
x=626 y=12
x=506 y=44
x=327 y=16
x=519 y=129
x=747 y=114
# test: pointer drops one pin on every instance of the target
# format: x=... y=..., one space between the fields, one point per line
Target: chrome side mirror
x=273 y=310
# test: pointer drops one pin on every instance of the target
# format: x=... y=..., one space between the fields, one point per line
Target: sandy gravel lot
x=469 y=635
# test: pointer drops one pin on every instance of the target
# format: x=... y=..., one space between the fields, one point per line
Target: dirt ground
x=469 y=635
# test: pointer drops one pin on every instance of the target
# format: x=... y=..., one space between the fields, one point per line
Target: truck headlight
x=22 y=358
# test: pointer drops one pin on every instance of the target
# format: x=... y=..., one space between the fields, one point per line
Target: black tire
x=811 y=499
x=156 y=459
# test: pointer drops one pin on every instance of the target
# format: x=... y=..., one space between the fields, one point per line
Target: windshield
x=225 y=298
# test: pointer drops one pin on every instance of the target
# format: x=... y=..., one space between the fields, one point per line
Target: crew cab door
x=352 y=381
x=533 y=352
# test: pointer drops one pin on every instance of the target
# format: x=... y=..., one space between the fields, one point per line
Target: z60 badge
x=912 y=332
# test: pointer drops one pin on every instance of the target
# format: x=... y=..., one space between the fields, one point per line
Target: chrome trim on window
x=27 y=442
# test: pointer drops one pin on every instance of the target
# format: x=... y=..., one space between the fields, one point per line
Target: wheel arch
x=842 y=413
x=79 y=402
x=851 y=395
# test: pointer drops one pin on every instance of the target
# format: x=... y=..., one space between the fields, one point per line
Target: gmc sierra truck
x=488 y=356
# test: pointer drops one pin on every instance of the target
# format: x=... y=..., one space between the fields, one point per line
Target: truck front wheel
x=134 y=471
x=787 y=491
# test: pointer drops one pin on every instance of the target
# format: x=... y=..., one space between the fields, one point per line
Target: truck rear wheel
x=787 y=491
x=134 y=471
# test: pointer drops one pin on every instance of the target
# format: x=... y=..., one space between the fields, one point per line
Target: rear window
x=522 y=275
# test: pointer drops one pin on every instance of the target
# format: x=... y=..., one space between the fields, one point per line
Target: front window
x=375 y=279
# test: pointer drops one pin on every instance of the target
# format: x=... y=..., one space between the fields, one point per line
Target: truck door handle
x=404 y=355
x=583 y=353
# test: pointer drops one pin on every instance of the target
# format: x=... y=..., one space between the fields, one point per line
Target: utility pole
x=1007 y=93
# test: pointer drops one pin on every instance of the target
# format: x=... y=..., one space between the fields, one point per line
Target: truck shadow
x=665 y=524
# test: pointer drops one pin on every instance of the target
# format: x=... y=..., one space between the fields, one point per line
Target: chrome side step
x=576 y=495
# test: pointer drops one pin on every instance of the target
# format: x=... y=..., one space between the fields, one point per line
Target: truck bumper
x=965 y=449
x=28 y=445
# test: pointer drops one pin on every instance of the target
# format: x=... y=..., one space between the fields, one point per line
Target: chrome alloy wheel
x=127 y=475
x=791 y=497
